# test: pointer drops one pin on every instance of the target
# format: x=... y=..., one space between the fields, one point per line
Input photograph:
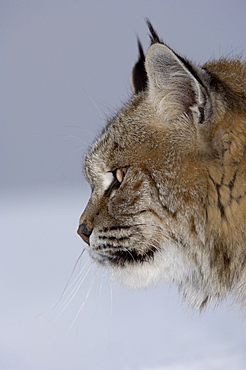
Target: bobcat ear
x=139 y=77
x=174 y=84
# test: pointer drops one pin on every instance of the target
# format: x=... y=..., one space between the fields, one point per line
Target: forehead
x=126 y=140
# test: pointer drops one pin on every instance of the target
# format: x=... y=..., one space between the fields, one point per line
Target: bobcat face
x=168 y=178
x=128 y=223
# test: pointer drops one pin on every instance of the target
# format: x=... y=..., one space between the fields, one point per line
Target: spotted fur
x=168 y=179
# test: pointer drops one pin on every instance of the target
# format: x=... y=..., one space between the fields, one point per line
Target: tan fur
x=177 y=207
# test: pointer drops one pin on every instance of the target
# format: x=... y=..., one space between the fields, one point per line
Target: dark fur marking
x=139 y=75
x=217 y=188
x=106 y=229
x=104 y=237
x=232 y=182
x=120 y=258
x=220 y=206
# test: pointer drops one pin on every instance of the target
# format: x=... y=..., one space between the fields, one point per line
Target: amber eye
x=119 y=175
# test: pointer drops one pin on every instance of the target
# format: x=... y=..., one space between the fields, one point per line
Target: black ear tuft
x=154 y=38
x=139 y=75
x=140 y=50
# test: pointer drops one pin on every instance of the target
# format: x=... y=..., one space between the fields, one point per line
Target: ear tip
x=154 y=38
x=155 y=50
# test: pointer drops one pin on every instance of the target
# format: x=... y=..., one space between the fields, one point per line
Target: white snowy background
x=65 y=68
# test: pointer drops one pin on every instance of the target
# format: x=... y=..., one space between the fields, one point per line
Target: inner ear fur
x=174 y=84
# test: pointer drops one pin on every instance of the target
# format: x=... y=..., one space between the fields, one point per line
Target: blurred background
x=65 y=68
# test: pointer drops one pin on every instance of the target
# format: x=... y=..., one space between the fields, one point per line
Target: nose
x=84 y=231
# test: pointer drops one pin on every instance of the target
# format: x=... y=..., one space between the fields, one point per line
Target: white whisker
x=160 y=232
x=86 y=297
x=111 y=299
x=94 y=103
x=78 y=281
x=67 y=286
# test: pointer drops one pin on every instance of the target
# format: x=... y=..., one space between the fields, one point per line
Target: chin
x=136 y=276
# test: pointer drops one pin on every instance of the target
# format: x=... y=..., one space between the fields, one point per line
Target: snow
x=103 y=326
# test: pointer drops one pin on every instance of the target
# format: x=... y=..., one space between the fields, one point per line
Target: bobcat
x=168 y=179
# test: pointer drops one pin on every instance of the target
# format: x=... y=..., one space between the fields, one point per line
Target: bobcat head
x=168 y=179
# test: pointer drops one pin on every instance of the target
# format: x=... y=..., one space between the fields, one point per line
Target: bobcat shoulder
x=168 y=179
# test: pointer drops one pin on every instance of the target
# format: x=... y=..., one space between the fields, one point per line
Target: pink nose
x=84 y=232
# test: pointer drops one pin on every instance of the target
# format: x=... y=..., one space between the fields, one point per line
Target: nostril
x=84 y=232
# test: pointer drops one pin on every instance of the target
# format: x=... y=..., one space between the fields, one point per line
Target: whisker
x=74 y=138
x=94 y=103
x=129 y=252
x=86 y=297
x=74 y=291
x=161 y=232
x=148 y=247
x=111 y=300
x=67 y=286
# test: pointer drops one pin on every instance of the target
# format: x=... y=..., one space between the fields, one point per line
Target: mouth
x=123 y=257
